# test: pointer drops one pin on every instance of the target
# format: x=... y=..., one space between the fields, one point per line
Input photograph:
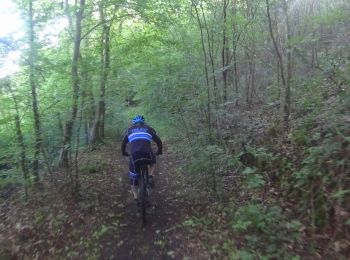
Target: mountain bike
x=144 y=192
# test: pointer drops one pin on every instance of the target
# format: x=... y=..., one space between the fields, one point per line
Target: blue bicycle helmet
x=138 y=120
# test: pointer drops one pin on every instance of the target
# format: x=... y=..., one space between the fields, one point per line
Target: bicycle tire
x=143 y=195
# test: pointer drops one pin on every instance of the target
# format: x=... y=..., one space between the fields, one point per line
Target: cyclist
x=140 y=136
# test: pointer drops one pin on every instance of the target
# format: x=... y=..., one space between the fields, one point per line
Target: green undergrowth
x=250 y=231
x=267 y=232
x=320 y=184
x=279 y=195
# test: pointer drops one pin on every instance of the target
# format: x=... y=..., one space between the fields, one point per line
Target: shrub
x=266 y=230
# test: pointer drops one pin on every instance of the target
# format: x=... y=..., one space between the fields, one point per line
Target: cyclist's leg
x=152 y=165
x=134 y=190
x=151 y=169
x=134 y=178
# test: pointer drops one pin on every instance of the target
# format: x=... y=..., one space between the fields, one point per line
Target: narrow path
x=164 y=236
x=103 y=222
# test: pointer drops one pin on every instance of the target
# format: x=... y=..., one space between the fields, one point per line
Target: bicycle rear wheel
x=144 y=194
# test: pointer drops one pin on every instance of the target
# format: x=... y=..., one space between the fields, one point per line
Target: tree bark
x=206 y=72
x=66 y=149
x=36 y=115
x=224 y=51
x=235 y=40
x=210 y=39
x=236 y=75
x=285 y=80
x=287 y=103
x=277 y=50
x=76 y=186
x=97 y=132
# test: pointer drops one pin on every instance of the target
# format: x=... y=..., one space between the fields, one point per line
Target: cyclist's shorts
x=137 y=160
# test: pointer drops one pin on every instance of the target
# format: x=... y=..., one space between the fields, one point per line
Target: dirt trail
x=164 y=236
x=103 y=222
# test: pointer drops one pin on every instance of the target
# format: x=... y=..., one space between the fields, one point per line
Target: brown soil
x=104 y=222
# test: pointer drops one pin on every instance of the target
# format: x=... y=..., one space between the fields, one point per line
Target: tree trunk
x=66 y=149
x=76 y=186
x=235 y=69
x=206 y=72
x=278 y=81
x=287 y=103
x=224 y=52
x=253 y=87
x=97 y=132
x=37 y=124
x=210 y=39
x=280 y=60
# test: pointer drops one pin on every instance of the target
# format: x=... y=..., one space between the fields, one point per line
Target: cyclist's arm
x=124 y=143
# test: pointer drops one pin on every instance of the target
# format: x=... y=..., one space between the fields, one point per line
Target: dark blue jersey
x=140 y=137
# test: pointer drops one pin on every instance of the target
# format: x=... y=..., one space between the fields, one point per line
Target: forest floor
x=103 y=222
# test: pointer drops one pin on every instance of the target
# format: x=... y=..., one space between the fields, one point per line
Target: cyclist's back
x=140 y=136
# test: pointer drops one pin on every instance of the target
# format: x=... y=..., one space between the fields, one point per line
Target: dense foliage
x=255 y=95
